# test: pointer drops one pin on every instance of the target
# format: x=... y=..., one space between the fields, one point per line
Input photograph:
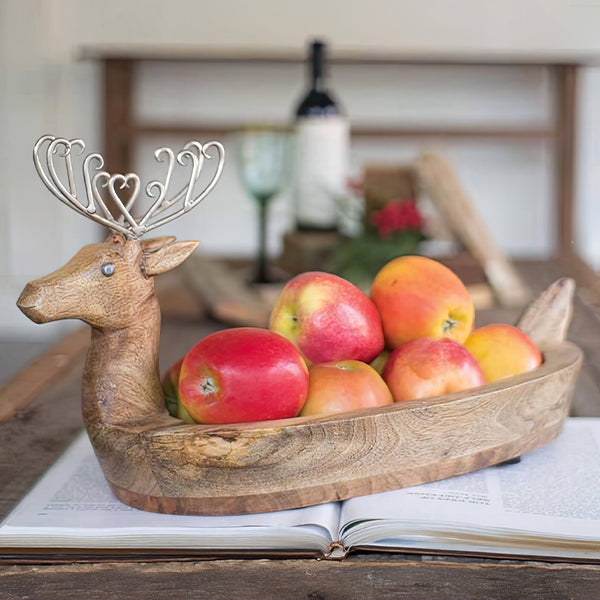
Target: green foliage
x=360 y=259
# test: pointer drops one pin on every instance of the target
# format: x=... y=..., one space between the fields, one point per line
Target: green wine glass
x=262 y=160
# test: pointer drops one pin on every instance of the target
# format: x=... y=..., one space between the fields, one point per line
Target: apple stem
x=449 y=324
x=208 y=386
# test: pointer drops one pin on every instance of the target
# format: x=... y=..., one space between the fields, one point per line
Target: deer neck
x=121 y=379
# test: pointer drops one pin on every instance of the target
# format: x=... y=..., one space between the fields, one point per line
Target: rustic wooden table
x=41 y=414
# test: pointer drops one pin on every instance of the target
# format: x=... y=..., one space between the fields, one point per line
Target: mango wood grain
x=161 y=465
x=155 y=462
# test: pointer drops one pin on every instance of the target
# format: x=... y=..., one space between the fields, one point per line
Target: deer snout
x=31 y=302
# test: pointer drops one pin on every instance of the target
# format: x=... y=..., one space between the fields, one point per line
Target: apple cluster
x=330 y=348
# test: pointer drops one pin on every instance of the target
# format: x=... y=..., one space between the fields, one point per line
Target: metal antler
x=95 y=179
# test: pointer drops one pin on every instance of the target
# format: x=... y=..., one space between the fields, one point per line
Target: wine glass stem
x=261 y=262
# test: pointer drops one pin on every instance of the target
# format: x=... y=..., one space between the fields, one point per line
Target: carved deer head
x=110 y=285
x=105 y=285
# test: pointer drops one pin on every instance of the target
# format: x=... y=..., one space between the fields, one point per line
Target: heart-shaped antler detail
x=96 y=180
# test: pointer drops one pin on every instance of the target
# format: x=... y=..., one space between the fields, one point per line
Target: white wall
x=587 y=193
x=407 y=26
x=44 y=88
x=40 y=92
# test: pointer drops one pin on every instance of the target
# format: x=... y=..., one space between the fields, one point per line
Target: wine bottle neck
x=317 y=83
x=317 y=66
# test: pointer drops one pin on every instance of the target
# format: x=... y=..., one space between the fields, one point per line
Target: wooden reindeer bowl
x=259 y=467
x=155 y=462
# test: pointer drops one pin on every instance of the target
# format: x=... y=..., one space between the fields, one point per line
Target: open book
x=546 y=505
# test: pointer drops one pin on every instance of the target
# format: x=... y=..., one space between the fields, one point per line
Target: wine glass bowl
x=262 y=161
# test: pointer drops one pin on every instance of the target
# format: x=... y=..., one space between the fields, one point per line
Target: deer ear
x=167 y=257
x=154 y=244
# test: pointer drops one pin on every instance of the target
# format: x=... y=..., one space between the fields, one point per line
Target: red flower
x=397 y=216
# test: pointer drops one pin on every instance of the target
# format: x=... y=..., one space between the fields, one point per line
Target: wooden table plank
x=37 y=434
x=362 y=576
x=43 y=372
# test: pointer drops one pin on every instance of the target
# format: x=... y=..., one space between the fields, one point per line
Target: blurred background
x=507 y=91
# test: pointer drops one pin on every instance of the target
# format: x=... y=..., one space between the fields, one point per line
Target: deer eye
x=108 y=269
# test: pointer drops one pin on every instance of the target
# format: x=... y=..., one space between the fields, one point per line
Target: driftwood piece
x=155 y=462
x=440 y=182
x=227 y=297
x=176 y=297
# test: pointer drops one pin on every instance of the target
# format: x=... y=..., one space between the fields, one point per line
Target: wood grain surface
x=155 y=462
x=365 y=576
x=163 y=466
x=159 y=465
x=44 y=372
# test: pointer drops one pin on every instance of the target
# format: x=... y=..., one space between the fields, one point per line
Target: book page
x=550 y=498
x=73 y=505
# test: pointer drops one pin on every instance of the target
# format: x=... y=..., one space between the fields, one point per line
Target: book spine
x=336 y=551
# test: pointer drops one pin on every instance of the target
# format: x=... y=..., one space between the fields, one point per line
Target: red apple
x=243 y=374
x=327 y=318
x=430 y=366
x=420 y=297
x=339 y=386
x=503 y=350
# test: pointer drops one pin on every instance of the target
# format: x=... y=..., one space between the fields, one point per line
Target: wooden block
x=308 y=250
x=382 y=183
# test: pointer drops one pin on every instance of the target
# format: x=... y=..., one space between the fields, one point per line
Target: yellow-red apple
x=339 y=386
x=503 y=350
x=429 y=366
x=327 y=318
x=243 y=374
x=420 y=297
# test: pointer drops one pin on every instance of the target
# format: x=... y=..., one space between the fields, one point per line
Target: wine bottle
x=322 y=148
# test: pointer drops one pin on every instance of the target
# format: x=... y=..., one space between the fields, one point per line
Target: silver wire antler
x=193 y=153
